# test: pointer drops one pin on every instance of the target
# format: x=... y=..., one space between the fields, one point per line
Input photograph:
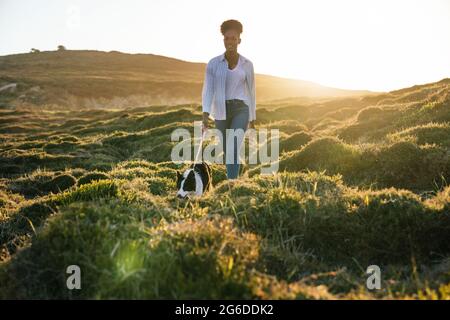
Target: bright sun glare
x=376 y=45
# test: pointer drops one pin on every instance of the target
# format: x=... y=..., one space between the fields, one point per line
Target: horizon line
x=366 y=91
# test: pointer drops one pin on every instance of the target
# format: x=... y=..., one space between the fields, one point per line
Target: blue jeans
x=237 y=116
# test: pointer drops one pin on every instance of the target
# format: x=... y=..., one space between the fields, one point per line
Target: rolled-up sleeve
x=252 y=91
x=208 y=88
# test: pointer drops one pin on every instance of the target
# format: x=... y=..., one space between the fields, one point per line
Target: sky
x=377 y=45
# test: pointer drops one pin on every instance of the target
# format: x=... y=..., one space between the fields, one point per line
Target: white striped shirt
x=213 y=93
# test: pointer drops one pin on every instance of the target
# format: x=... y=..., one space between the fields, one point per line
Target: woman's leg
x=222 y=125
x=239 y=120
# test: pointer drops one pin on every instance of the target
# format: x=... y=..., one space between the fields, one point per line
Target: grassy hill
x=96 y=79
x=363 y=180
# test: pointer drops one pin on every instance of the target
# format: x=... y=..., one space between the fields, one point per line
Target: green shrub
x=441 y=201
x=341 y=227
x=92 y=176
x=132 y=173
x=430 y=133
x=183 y=260
x=395 y=226
x=161 y=186
x=60 y=147
x=60 y=183
x=370 y=113
x=286 y=126
x=87 y=192
x=236 y=188
x=31 y=185
x=136 y=164
x=32 y=215
x=295 y=141
x=201 y=259
x=77 y=172
x=313 y=182
x=406 y=165
x=102 y=238
x=323 y=154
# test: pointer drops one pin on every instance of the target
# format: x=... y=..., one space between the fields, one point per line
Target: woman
x=229 y=93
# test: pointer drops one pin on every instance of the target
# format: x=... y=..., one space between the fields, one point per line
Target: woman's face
x=231 y=40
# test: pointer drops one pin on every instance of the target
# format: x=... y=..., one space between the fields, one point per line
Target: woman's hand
x=205 y=122
x=251 y=124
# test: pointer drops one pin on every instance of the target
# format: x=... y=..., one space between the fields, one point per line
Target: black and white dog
x=194 y=181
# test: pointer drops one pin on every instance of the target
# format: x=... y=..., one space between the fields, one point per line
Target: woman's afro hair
x=231 y=25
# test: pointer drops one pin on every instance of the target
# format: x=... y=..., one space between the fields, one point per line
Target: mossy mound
x=60 y=183
x=295 y=141
x=92 y=176
x=326 y=153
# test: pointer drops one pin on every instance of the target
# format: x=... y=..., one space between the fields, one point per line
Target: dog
x=194 y=181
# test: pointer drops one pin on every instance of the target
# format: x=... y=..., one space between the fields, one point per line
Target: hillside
x=363 y=180
x=98 y=79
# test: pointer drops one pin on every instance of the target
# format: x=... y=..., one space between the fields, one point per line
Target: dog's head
x=187 y=184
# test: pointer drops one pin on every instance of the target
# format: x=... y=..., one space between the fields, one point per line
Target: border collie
x=194 y=181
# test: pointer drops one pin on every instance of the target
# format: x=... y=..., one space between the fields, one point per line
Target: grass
x=362 y=181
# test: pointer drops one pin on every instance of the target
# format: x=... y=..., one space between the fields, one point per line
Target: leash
x=200 y=146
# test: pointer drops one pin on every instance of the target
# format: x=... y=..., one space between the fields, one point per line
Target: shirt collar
x=222 y=57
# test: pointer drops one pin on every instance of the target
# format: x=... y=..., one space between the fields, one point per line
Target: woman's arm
x=208 y=88
x=252 y=90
